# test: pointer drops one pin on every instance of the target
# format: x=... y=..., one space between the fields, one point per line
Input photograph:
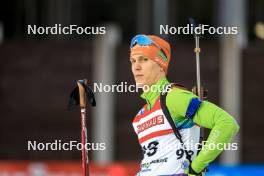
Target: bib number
x=150 y=149
x=180 y=153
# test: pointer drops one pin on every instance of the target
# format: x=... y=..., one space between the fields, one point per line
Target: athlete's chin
x=139 y=80
x=140 y=84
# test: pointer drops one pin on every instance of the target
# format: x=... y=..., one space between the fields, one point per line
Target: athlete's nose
x=137 y=66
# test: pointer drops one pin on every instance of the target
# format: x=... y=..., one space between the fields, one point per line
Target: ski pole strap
x=170 y=120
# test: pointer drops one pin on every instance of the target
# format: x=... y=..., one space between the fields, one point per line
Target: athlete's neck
x=154 y=91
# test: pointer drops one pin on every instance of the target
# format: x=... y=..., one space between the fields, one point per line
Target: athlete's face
x=145 y=70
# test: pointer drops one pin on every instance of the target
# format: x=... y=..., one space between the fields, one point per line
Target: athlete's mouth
x=138 y=76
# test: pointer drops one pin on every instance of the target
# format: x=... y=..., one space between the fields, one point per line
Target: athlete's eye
x=132 y=60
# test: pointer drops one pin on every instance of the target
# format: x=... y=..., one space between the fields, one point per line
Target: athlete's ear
x=162 y=70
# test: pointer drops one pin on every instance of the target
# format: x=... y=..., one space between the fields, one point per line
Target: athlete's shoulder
x=178 y=100
x=177 y=90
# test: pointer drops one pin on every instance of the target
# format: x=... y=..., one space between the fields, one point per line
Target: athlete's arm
x=223 y=126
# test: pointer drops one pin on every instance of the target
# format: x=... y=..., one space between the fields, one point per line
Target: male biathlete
x=163 y=152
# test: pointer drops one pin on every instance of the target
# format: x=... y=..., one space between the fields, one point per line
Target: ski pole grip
x=82 y=94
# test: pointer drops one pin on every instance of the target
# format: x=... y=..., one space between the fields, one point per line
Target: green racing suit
x=223 y=126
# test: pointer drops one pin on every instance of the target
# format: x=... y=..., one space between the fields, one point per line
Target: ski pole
x=79 y=96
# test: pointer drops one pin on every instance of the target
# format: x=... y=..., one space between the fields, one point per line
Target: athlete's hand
x=193 y=173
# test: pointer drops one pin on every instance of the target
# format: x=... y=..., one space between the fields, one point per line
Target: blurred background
x=38 y=72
